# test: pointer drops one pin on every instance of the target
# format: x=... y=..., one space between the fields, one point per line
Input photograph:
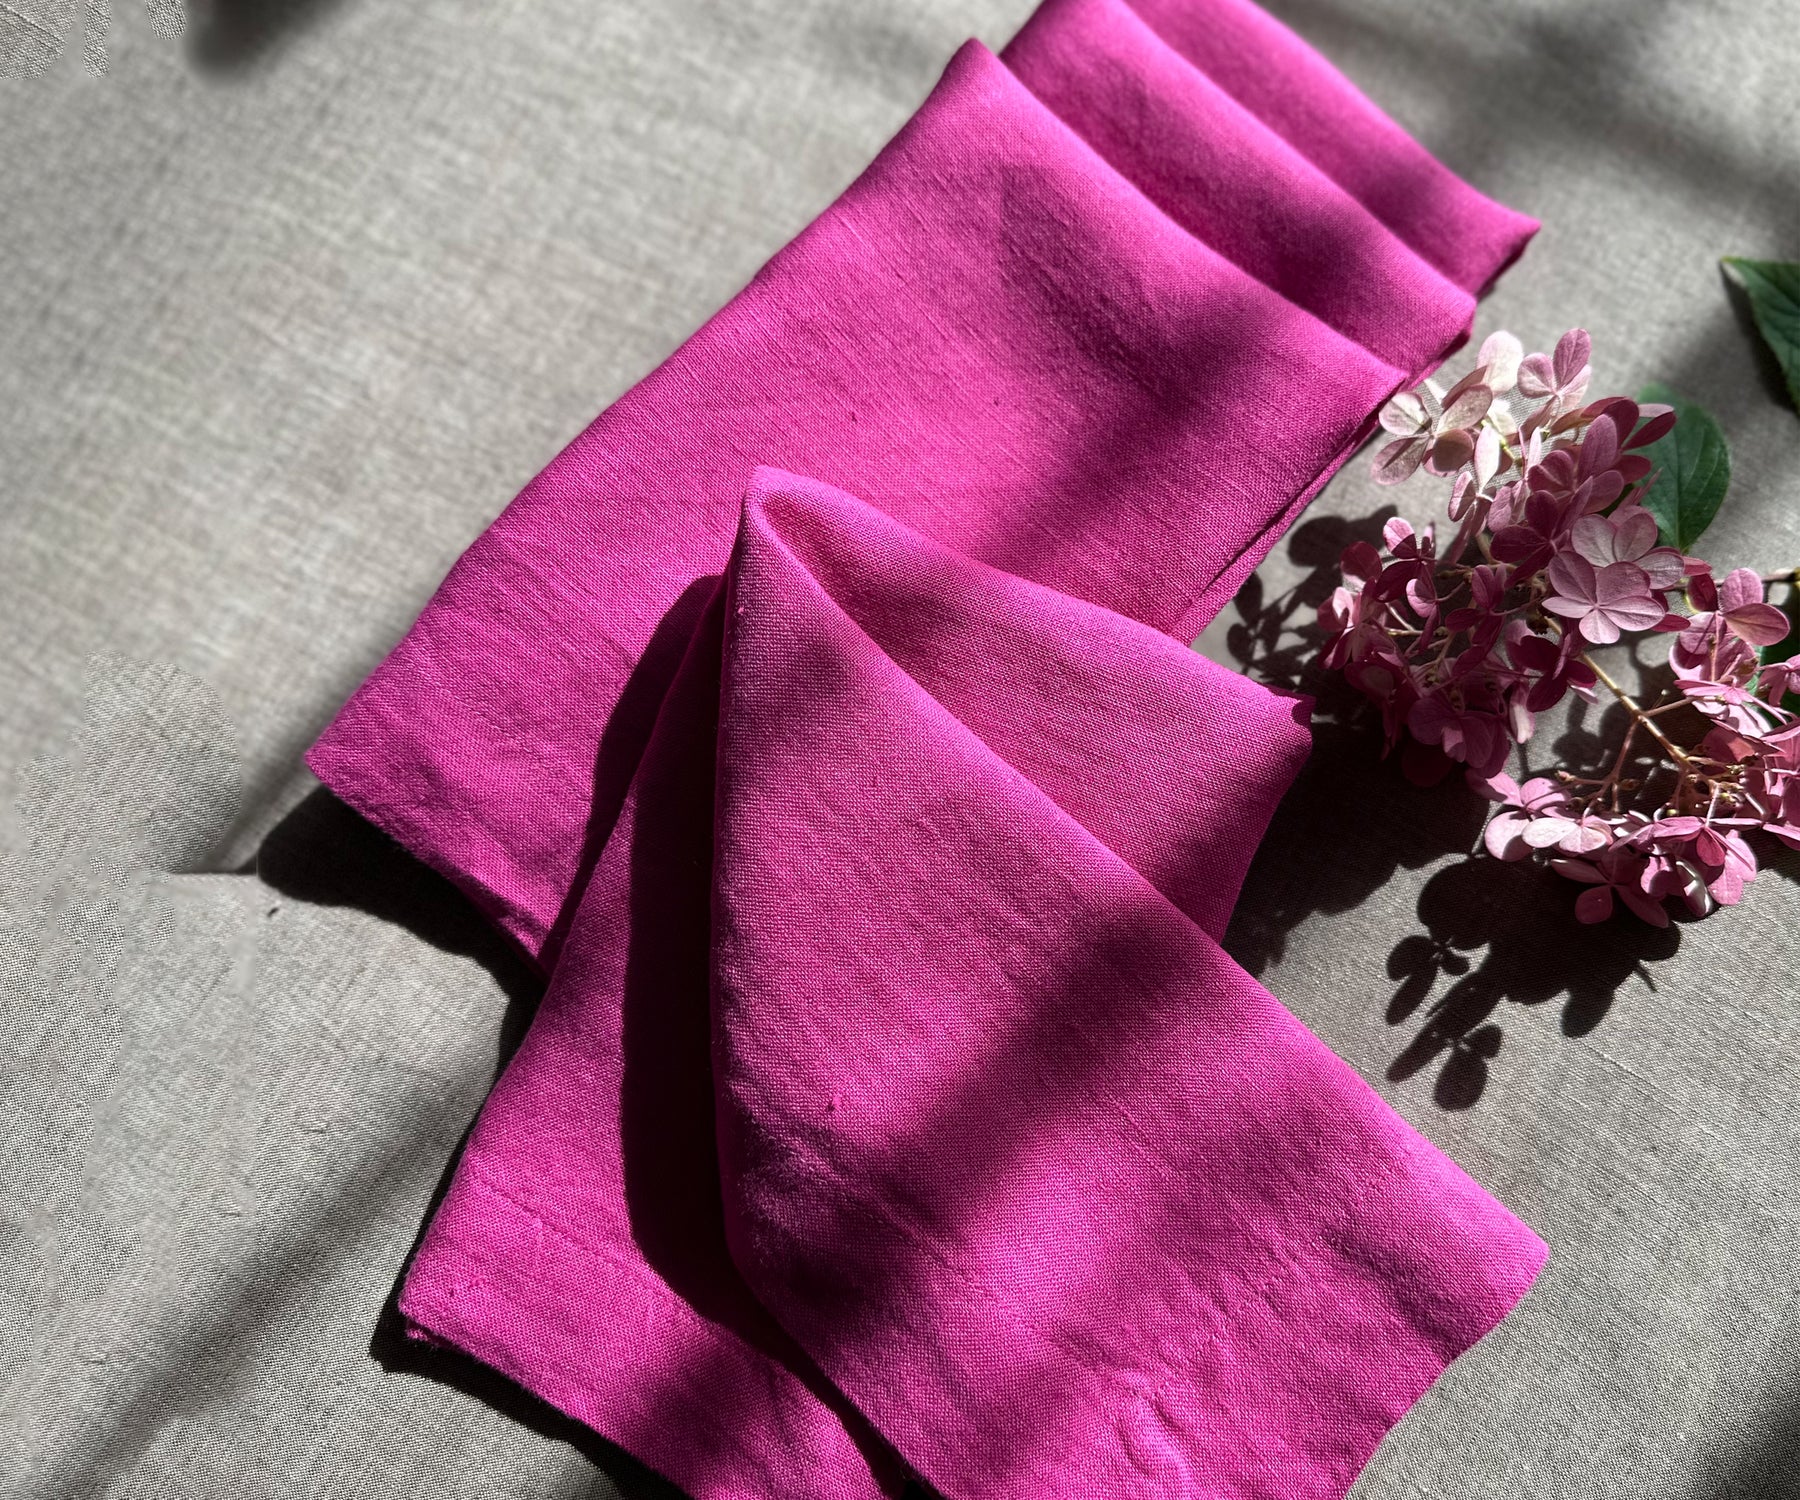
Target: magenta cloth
x=981 y=1143
x=1114 y=352
x=892 y=1106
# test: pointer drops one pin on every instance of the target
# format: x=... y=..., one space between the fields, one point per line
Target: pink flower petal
x=1496 y=788
x=1542 y=509
x=1574 y=577
x=1450 y=451
x=1487 y=456
x=1583 y=838
x=1521 y=721
x=1404 y=415
x=1464 y=491
x=1500 y=355
x=1513 y=544
x=1741 y=586
x=1530 y=653
x=1622 y=409
x=1542 y=833
x=1635 y=529
x=1429 y=718
x=1537 y=376
x=1594 y=905
x=1600 y=447
x=1620 y=581
x=1599 y=492
x=1693 y=889
x=1658 y=421
x=1502 y=837
x=1593 y=538
x=1643 y=907
x=1758 y=624
x=1399 y=460
x=1545 y=693
x=1663 y=567
x=1360 y=562
x=1727 y=888
x=1597 y=627
x=1571 y=358
x=1541 y=792
x=1638 y=612
x=1465 y=406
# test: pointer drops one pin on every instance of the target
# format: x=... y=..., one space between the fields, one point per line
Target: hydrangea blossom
x=1462 y=643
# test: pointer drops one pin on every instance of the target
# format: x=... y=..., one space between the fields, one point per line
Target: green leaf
x=1693 y=471
x=1773 y=287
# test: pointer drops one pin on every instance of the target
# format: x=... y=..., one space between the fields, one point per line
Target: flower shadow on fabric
x=1491 y=932
x=233 y=36
x=1350 y=821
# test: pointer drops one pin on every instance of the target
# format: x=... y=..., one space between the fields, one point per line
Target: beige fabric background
x=293 y=304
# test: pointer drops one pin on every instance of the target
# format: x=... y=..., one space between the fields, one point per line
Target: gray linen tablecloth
x=293 y=304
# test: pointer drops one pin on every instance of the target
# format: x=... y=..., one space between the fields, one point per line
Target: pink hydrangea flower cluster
x=1551 y=554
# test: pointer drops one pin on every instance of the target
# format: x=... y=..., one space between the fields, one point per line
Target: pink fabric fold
x=1308 y=103
x=892 y=1107
x=1113 y=352
x=1219 y=172
x=893 y=1081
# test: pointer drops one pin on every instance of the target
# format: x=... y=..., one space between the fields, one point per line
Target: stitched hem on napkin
x=611 y=1346
x=608 y=1343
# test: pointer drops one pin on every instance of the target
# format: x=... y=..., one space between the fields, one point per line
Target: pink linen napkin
x=1099 y=323
x=892 y=1104
x=892 y=1079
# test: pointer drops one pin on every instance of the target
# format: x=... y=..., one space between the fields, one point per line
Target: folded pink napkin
x=892 y=1105
x=1113 y=352
x=980 y=1142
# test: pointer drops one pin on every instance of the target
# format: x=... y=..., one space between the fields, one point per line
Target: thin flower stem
x=1511 y=452
x=1680 y=756
x=1611 y=783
